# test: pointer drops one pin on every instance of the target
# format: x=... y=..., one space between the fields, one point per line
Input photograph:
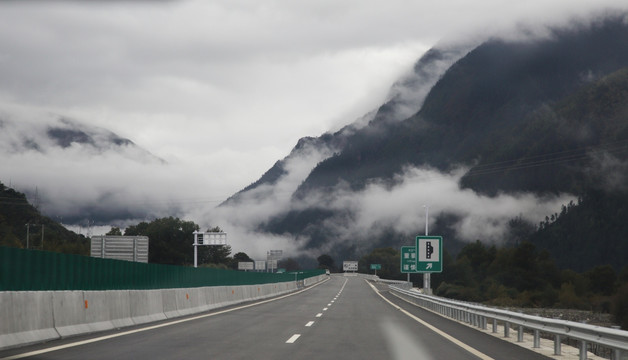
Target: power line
x=554 y=158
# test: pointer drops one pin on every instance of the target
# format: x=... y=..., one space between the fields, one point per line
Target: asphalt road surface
x=342 y=318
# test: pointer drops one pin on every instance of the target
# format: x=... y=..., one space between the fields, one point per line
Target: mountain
x=405 y=99
x=532 y=123
x=32 y=131
x=18 y=218
x=79 y=174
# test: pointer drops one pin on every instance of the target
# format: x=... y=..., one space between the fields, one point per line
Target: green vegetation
x=517 y=276
x=43 y=232
x=171 y=243
x=326 y=262
x=545 y=117
x=170 y=238
x=388 y=257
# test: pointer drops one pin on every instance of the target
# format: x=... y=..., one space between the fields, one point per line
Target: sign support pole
x=195 y=249
x=209 y=238
x=427 y=286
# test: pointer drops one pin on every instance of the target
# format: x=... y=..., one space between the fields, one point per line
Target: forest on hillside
x=518 y=276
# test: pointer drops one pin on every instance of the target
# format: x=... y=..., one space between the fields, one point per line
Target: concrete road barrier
x=27 y=317
x=68 y=309
x=34 y=316
x=146 y=306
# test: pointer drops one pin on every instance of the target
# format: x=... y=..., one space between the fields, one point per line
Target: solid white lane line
x=293 y=338
x=468 y=348
x=309 y=324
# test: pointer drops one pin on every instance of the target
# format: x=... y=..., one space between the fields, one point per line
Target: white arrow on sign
x=429 y=266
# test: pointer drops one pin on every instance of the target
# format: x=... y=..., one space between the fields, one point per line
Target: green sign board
x=376 y=266
x=408 y=259
x=429 y=254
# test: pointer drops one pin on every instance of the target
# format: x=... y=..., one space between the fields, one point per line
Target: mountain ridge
x=497 y=104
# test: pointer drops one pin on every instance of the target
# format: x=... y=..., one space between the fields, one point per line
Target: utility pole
x=28 y=228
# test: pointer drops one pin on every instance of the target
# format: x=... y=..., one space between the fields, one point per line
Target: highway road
x=342 y=318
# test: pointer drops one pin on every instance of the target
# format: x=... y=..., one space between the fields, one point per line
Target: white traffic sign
x=246 y=265
x=349 y=266
x=429 y=254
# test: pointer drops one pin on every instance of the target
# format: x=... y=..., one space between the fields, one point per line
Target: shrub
x=619 y=308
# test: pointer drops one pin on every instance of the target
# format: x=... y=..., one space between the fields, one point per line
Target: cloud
x=223 y=89
x=381 y=207
x=607 y=170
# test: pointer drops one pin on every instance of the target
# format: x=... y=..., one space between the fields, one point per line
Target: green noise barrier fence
x=34 y=270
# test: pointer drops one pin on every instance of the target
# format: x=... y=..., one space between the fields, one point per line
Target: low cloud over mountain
x=469 y=134
x=480 y=132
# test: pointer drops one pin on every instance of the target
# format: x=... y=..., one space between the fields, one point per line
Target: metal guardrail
x=479 y=316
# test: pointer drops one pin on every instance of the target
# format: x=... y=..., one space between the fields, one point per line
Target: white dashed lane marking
x=293 y=338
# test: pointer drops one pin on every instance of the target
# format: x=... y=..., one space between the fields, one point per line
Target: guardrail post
x=583 y=350
x=520 y=334
x=506 y=329
x=494 y=325
x=483 y=322
x=537 y=339
x=617 y=354
x=556 y=344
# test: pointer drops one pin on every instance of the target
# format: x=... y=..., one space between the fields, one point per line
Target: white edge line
x=107 y=337
x=468 y=348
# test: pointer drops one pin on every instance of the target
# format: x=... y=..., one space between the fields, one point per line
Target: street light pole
x=427 y=211
x=427 y=286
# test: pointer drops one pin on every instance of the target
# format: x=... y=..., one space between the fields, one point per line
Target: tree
x=170 y=240
x=326 y=262
x=602 y=279
x=114 y=231
x=289 y=264
x=388 y=258
x=215 y=254
x=620 y=307
x=239 y=257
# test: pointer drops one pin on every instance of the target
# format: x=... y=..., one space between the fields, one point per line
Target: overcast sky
x=231 y=85
x=223 y=89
